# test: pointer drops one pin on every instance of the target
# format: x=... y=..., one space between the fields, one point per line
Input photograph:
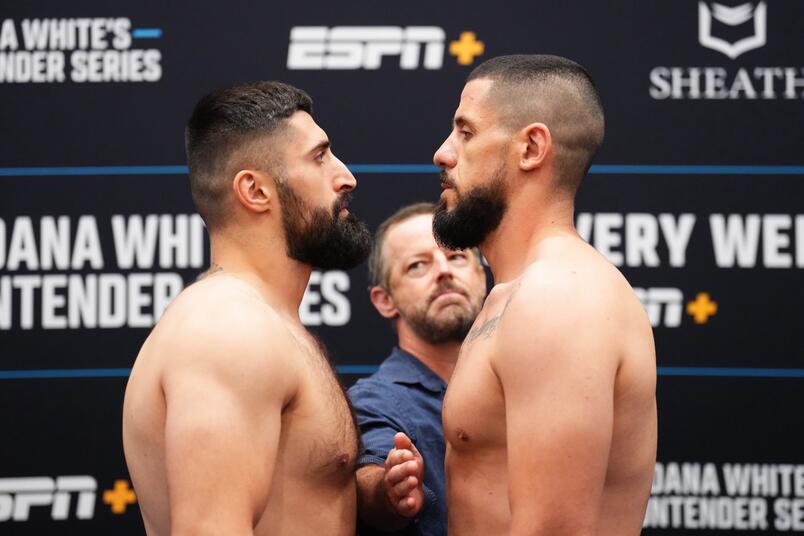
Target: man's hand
x=404 y=472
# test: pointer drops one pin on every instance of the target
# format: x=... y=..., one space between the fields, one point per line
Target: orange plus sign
x=119 y=497
x=702 y=308
x=466 y=48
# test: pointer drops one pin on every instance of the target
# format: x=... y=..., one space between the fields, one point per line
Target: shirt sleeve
x=379 y=418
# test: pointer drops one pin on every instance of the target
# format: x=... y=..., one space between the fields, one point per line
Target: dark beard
x=320 y=238
x=448 y=328
x=474 y=216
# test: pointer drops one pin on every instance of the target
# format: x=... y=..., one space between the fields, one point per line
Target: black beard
x=320 y=238
x=474 y=216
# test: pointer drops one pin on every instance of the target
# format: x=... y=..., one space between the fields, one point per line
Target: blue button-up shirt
x=405 y=396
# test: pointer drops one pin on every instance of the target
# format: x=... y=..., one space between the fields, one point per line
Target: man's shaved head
x=551 y=90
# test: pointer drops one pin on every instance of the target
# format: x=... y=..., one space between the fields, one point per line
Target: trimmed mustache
x=446 y=179
x=445 y=285
x=342 y=202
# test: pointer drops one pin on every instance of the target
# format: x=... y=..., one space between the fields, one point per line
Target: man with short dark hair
x=550 y=415
x=233 y=421
x=431 y=295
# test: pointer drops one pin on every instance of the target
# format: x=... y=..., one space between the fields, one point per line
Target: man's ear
x=383 y=302
x=537 y=145
x=254 y=190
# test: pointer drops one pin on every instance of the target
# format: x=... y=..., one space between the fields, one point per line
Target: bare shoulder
x=221 y=328
x=570 y=302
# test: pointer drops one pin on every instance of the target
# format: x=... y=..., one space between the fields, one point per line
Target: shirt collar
x=402 y=367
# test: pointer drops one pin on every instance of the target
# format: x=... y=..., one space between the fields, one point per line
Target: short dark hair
x=223 y=124
x=557 y=92
x=378 y=271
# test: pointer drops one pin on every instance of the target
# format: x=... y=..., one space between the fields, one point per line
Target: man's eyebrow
x=323 y=144
x=461 y=121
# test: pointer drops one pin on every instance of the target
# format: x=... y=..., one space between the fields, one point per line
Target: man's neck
x=280 y=280
x=513 y=245
x=440 y=358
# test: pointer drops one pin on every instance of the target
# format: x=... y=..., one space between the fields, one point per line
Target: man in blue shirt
x=431 y=295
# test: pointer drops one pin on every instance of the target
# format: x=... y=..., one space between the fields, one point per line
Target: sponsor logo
x=732 y=16
x=365 y=47
x=723 y=83
x=664 y=306
x=19 y=495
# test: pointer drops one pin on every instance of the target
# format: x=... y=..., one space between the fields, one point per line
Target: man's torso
x=475 y=422
x=312 y=489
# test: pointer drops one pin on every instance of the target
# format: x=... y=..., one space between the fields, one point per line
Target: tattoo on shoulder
x=487 y=328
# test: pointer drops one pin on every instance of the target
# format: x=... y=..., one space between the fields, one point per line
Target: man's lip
x=448 y=293
x=445 y=186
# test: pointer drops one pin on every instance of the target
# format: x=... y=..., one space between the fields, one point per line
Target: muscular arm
x=557 y=373
x=224 y=391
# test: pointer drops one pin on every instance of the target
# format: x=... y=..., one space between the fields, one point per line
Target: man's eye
x=466 y=134
x=320 y=156
x=415 y=266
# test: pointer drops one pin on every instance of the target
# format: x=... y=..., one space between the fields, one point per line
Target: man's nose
x=344 y=180
x=445 y=157
x=442 y=266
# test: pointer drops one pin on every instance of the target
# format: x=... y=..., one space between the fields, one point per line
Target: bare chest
x=321 y=433
x=474 y=407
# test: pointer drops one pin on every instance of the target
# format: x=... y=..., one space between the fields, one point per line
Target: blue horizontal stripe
x=146 y=33
x=356 y=369
x=65 y=373
x=92 y=170
x=370 y=369
x=393 y=168
x=600 y=169
x=727 y=372
x=617 y=169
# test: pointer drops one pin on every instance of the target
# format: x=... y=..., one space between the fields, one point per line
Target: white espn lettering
x=656 y=300
x=641 y=233
x=736 y=240
x=18 y=495
x=363 y=47
x=335 y=310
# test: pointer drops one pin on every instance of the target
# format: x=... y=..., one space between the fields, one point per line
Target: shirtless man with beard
x=234 y=422
x=550 y=414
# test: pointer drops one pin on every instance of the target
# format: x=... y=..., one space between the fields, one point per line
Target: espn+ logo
x=19 y=495
x=365 y=47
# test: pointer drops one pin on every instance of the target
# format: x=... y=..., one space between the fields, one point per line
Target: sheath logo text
x=720 y=83
x=363 y=47
x=18 y=495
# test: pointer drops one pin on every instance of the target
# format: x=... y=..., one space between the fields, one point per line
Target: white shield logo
x=732 y=16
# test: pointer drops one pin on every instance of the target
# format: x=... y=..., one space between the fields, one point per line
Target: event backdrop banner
x=697 y=196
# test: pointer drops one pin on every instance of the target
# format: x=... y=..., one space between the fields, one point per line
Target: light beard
x=319 y=237
x=448 y=325
x=474 y=216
